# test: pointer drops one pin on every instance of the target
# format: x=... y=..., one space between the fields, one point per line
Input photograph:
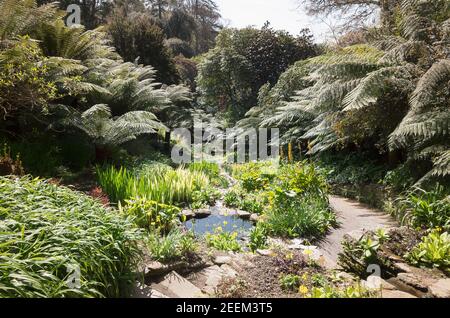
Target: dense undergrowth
x=52 y=236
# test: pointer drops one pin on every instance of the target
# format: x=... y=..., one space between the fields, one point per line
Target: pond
x=228 y=223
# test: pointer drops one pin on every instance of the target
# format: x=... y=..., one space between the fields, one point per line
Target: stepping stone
x=188 y=214
x=179 y=287
x=144 y=291
x=202 y=213
x=441 y=289
x=254 y=218
x=243 y=214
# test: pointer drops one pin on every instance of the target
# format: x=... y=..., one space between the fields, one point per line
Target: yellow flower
x=225 y=223
x=307 y=252
x=303 y=290
x=289 y=256
x=305 y=276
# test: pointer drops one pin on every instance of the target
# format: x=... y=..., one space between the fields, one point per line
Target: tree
x=387 y=96
x=137 y=37
x=355 y=11
x=231 y=74
x=105 y=132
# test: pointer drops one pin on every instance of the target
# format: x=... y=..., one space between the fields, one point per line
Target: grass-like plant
x=307 y=217
x=56 y=242
x=158 y=183
x=176 y=245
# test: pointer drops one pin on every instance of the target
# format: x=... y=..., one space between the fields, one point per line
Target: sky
x=282 y=14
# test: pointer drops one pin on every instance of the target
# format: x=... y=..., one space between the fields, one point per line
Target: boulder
x=221 y=260
x=154 y=268
x=178 y=286
x=243 y=214
x=187 y=214
x=414 y=281
x=441 y=288
x=403 y=268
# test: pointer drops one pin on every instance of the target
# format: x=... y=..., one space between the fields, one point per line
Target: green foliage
x=400 y=178
x=354 y=291
x=158 y=183
x=433 y=251
x=389 y=94
x=290 y=282
x=428 y=209
x=308 y=217
x=357 y=255
x=231 y=74
x=47 y=231
x=223 y=241
x=150 y=214
x=137 y=36
x=24 y=84
x=176 y=245
x=258 y=237
x=355 y=169
x=204 y=198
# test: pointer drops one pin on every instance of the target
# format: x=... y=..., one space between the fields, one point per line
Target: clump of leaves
x=357 y=255
x=258 y=238
x=223 y=241
x=151 y=214
x=433 y=251
x=176 y=245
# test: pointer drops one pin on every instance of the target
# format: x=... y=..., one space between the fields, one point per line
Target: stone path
x=353 y=217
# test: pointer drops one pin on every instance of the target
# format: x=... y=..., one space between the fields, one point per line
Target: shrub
x=433 y=251
x=290 y=282
x=258 y=238
x=204 y=197
x=308 y=217
x=223 y=241
x=175 y=245
x=427 y=209
x=357 y=255
x=49 y=231
x=151 y=214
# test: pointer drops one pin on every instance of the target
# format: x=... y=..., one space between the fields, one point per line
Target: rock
x=395 y=294
x=297 y=244
x=345 y=276
x=156 y=269
x=414 y=281
x=254 y=218
x=264 y=252
x=202 y=213
x=221 y=260
x=228 y=271
x=209 y=278
x=141 y=291
x=188 y=214
x=243 y=214
x=176 y=285
x=403 y=268
x=377 y=283
x=157 y=294
x=441 y=289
